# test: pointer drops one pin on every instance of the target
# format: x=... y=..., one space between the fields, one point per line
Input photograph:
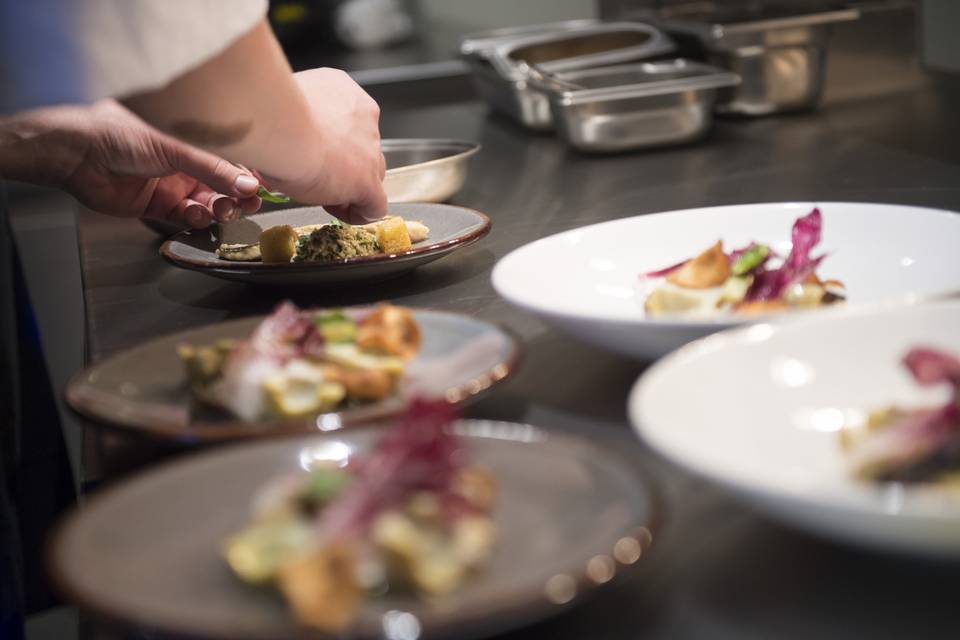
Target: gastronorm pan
x=780 y=57
x=501 y=72
x=636 y=105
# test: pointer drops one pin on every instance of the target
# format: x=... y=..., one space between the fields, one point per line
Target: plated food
x=150 y=550
x=911 y=445
x=292 y=372
x=775 y=402
x=585 y=282
x=328 y=242
x=413 y=515
x=299 y=363
x=308 y=246
x=750 y=280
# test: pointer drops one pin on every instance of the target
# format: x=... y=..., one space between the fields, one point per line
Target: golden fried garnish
x=759 y=307
x=321 y=587
x=709 y=269
x=392 y=235
x=368 y=385
x=278 y=244
x=477 y=485
x=391 y=330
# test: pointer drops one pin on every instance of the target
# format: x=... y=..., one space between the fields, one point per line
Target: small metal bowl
x=425 y=170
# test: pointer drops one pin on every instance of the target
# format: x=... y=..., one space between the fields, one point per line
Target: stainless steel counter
x=716 y=570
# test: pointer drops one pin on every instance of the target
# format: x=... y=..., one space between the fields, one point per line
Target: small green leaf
x=269 y=196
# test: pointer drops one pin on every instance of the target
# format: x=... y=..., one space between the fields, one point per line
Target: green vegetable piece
x=336 y=327
x=750 y=259
x=325 y=484
x=272 y=196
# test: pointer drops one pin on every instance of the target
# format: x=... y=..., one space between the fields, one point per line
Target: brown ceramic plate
x=450 y=228
x=144 y=389
x=572 y=514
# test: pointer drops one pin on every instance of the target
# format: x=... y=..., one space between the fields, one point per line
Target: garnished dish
x=298 y=363
x=749 y=280
x=333 y=241
x=412 y=515
x=895 y=444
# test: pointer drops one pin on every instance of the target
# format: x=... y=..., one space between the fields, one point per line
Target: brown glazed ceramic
x=571 y=515
x=145 y=390
x=450 y=228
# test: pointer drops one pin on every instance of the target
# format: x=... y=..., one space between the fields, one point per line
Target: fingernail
x=246 y=184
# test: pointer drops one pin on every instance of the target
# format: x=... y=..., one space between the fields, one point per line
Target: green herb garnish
x=750 y=259
x=325 y=484
x=272 y=196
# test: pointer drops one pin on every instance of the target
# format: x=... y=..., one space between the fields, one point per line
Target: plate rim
x=260 y=268
x=640 y=420
x=82 y=401
x=533 y=609
x=500 y=282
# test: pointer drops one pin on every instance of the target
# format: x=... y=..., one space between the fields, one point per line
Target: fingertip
x=246 y=185
x=225 y=209
x=251 y=205
x=198 y=216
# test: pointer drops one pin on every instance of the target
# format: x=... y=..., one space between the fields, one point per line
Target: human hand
x=131 y=169
x=116 y=164
x=346 y=174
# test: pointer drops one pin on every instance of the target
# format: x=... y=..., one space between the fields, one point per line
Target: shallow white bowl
x=757 y=410
x=587 y=281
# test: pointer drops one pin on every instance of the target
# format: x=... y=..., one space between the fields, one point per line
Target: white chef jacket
x=78 y=51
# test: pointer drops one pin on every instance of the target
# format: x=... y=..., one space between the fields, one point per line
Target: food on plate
x=279 y=244
x=746 y=280
x=412 y=515
x=298 y=363
x=911 y=445
x=328 y=242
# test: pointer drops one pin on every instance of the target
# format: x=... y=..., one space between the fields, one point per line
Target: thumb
x=219 y=174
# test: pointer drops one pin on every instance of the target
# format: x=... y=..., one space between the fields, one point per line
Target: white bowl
x=758 y=411
x=587 y=281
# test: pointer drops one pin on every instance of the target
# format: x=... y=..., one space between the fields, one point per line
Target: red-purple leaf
x=771 y=284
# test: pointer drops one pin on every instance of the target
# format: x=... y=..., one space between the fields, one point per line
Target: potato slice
x=278 y=244
x=709 y=269
x=392 y=235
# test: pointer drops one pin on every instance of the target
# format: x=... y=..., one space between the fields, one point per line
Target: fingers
x=191 y=213
x=220 y=175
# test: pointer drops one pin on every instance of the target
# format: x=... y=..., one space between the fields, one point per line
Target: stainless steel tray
x=634 y=106
x=781 y=58
x=425 y=170
x=500 y=68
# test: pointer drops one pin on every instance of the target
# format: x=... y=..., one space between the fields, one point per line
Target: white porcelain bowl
x=758 y=411
x=587 y=281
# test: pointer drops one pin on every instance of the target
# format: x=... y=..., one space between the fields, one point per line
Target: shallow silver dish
x=425 y=170
x=780 y=58
x=636 y=105
x=502 y=73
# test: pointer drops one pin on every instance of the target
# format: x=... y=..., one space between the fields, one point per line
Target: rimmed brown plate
x=572 y=514
x=144 y=389
x=451 y=227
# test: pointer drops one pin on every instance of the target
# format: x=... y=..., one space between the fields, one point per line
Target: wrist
x=43 y=146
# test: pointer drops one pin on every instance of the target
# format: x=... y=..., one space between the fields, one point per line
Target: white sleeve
x=83 y=50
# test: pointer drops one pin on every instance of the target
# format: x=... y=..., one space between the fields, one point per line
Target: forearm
x=260 y=119
x=42 y=146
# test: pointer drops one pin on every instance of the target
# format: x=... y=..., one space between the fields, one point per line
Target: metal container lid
x=715 y=22
x=636 y=80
